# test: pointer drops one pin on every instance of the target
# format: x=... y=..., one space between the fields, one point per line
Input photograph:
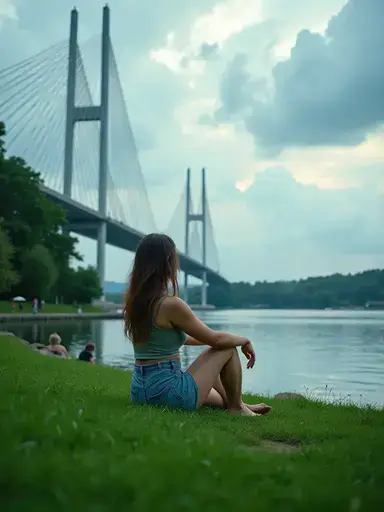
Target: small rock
x=289 y=396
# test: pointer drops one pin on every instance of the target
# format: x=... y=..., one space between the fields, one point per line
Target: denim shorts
x=164 y=384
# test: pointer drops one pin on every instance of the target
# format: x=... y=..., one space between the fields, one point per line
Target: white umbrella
x=19 y=299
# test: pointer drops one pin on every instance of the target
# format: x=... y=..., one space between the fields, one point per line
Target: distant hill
x=112 y=287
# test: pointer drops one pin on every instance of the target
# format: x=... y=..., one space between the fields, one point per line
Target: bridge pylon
x=91 y=113
x=197 y=217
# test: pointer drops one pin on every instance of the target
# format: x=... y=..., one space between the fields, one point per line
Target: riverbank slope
x=70 y=439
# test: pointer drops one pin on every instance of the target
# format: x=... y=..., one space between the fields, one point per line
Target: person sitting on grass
x=55 y=346
x=159 y=324
x=87 y=353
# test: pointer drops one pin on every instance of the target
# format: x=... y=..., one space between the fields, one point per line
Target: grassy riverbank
x=5 y=308
x=71 y=440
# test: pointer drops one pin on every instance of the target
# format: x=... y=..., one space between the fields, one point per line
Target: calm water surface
x=330 y=354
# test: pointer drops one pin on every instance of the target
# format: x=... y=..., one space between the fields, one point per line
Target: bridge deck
x=82 y=219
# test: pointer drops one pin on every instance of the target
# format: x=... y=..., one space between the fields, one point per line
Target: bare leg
x=214 y=399
x=218 y=398
x=208 y=366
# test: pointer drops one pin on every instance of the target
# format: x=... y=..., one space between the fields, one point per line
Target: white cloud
x=329 y=167
x=7 y=10
x=168 y=55
x=226 y=19
x=291 y=16
x=293 y=229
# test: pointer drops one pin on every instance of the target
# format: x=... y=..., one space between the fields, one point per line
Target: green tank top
x=162 y=343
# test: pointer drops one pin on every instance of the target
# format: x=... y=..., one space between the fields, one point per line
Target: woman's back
x=57 y=350
x=164 y=340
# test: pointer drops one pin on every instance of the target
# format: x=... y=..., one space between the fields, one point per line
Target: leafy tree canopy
x=35 y=254
x=8 y=277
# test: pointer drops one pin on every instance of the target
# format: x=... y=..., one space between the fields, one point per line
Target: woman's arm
x=180 y=315
x=192 y=342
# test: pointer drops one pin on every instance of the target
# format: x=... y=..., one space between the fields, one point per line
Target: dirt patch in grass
x=269 y=446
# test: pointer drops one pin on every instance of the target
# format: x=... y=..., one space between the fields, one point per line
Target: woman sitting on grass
x=55 y=346
x=159 y=325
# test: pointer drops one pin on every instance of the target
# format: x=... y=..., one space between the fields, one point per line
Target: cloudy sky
x=281 y=100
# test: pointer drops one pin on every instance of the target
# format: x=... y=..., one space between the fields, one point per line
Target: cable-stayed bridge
x=70 y=123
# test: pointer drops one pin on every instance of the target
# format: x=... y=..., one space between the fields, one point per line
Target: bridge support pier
x=101 y=245
x=71 y=108
x=204 y=290
x=204 y=234
x=187 y=221
x=201 y=217
x=185 y=287
x=90 y=113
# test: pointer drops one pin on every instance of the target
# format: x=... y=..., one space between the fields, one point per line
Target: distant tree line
x=35 y=253
x=334 y=291
x=365 y=289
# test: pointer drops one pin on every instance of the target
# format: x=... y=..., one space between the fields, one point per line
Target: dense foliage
x=365 y=289
x=8 y=276
x=312 y=293
x=35 y=254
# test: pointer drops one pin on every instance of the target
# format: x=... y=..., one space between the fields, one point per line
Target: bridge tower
x=91 y=113
x=196 y=217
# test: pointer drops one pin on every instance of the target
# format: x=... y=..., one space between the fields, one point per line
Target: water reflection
x=296 y=350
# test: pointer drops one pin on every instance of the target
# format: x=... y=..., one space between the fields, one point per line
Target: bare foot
x=259 y=408
x=243 y=411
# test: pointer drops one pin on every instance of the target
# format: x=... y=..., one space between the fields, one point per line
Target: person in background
x=35 y=305
x=42 y=304
x=55 y=346
x=87 y=354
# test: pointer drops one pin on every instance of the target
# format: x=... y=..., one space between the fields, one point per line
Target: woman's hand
x=248 y=351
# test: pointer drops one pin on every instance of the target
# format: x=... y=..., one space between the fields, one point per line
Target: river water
x=333 y=355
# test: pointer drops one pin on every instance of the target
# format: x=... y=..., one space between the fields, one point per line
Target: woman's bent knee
x=222 y=353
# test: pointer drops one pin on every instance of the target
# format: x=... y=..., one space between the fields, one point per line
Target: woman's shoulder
x=173 y=301
x=169 y=310
x=176 y=309
x=174 y=304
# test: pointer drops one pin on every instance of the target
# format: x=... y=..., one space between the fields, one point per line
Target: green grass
x=71 y=440
x=5 y=308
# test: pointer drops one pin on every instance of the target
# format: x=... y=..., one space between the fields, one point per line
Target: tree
x=220 y=296
x=8 y=276
x=2 y=133
x=39 y=272
x=82 y=285
x=31 y=219
x=312 y=293
x=62 y=248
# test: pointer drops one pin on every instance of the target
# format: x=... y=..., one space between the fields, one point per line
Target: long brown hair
x=154 y=268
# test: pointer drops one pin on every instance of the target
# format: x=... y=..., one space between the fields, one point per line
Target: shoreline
x=45 y=317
